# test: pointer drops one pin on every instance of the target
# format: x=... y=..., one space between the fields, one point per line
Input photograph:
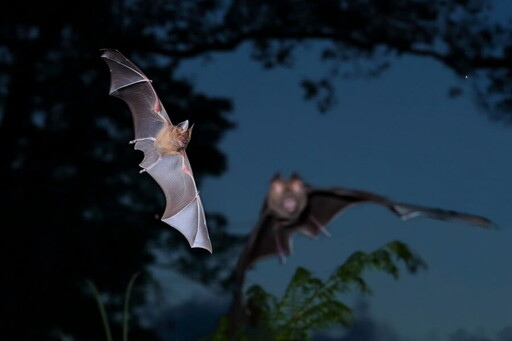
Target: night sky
x=398 y=135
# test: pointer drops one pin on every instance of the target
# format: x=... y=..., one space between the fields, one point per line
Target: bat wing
x=406 y=211
x=268 y=238
x=130 y=84
x=184 y=210
x=325 y=204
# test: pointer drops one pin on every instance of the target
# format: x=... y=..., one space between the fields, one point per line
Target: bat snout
x=183 y=141
x=290 y=204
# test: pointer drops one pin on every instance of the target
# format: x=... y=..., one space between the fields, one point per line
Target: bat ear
x=277 y=187
x=276 y=184
x=297 y=182
x=183 y=125
x=190 y=130
x=295 y=176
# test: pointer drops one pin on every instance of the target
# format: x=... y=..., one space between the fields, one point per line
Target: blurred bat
x=292 y=206
x=164 y=146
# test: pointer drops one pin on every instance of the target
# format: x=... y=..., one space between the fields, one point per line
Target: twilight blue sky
x=398 y=135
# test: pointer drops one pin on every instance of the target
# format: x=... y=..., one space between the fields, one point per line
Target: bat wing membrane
x=406 y=211
x=268 y=238
x=181 y=221
x=129 y=83
x=325 y=204
x=183 y=205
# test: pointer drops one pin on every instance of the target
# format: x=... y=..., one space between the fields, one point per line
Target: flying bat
x=291 y=206
x=164 y=146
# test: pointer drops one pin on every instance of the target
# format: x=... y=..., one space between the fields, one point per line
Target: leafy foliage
x=311 y=304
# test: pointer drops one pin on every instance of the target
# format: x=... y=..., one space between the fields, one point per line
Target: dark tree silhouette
x=75 y=206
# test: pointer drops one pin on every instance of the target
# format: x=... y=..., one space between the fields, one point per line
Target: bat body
x=164 y=147
x=292 y=206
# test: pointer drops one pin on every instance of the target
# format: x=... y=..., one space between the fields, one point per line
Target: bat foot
x=143 y=170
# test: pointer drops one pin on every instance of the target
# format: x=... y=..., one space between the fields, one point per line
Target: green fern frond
x=311 y=304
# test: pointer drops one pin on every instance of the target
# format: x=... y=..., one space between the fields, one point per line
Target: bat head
x=181 y=134
x=287 y=198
